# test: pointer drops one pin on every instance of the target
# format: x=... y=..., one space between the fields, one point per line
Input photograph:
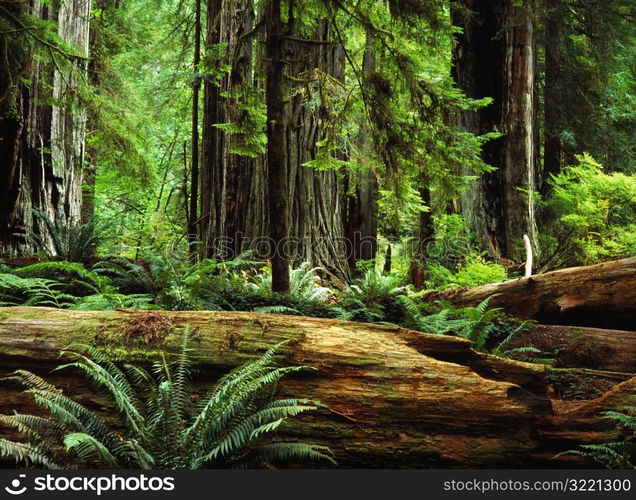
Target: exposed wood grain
x=602 y=295
x=399 y=398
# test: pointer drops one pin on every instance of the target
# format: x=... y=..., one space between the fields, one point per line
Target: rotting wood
x=399 y=398
x=601 y=295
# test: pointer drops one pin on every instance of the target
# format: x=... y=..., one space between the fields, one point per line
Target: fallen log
x=398 y=398
x=602 y=295
x=581 y=347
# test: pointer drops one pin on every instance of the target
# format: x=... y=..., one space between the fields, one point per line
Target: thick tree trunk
x=42 y=145
x=478 y=61
x=518 y=125
x=417 y=270
x=362 y=204
x=581 y=347
x=193 y=221
x=602 y=295
x=235 y=190
x=495 y=57
x=398 y=398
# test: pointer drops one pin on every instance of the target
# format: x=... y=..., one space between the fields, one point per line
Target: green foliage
x=473 y=271
x=304 y=283
x=111 y=301
x=72 y=273
x=619 y=454
x=375 y=285
x=15 y=290
x=24 y=37
x=594 y=213
x=247 y=136
x=489 y=330
x=161 y=426
x=65 y=239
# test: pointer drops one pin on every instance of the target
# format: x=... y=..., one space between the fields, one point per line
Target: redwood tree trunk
x=417 y=271
x=495 y=57
x=277 y=148
x=362 y=205
x=43 y=145
x=194 y=161
x=518 y=125
x=478 y=62
x=552 y=97
x=235 y=191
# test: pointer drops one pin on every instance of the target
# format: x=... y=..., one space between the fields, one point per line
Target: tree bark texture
x=518 y=125
x=277 y=176
x=478 y=61
x=553 y=95
x=495 y=57
x=582 y=347
x=195 y=153
x=602 y=295
x=235 y=191
x=361 y=217
x=397 y=398
x=42 y=141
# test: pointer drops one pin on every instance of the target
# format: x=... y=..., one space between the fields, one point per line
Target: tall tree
x=361 y=217
x=43 y=121
x=193 y=212
x=519 y=160
x=277 y=147
x=588 y=87
x=553 y=93
x=495 y=58
x=235 y=171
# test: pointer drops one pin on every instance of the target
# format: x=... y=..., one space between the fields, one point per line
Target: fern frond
x=89 y=448
x=31 y=380
x=27 y=453
x=277 y=310
x=276 y=452
x=118 y=388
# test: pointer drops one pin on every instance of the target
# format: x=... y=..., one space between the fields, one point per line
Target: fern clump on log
x=166 y=425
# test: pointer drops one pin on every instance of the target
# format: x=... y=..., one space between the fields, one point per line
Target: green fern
x=64 y=271
x=161 y=426
x=110 y=301
x=65 y=239
x=70 y=240
x=616 y=454
x=374 y=285
x=278 y=310
x=15 y=290
x=304 y=284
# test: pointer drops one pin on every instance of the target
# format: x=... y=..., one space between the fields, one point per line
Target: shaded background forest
x=443 y=131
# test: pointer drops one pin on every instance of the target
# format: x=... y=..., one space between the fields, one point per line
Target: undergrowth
x=244 y=284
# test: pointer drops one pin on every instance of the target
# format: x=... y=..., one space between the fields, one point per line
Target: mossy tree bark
x=42 y=141
x=397 y=398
